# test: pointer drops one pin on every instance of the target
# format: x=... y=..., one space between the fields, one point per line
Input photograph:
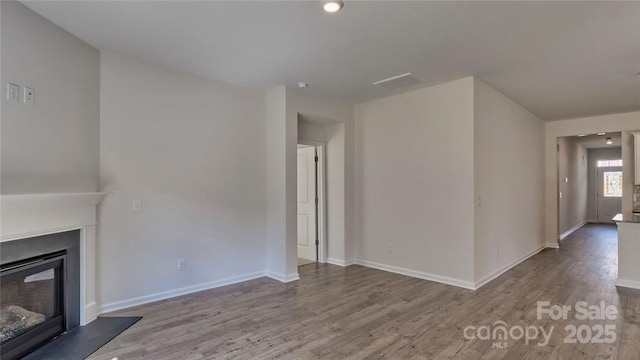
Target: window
x=612 y=183
x=609 y=163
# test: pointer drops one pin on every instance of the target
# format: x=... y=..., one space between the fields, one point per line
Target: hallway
x=593 y=250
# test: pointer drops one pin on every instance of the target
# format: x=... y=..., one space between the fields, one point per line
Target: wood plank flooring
x=362 y=313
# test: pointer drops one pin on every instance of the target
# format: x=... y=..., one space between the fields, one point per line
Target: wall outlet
x=182 y=264
x=136 y=206
x=13 y=92
x=29 y=96
x=389 y=247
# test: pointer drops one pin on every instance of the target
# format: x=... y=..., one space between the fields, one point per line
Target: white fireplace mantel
x=27 y=215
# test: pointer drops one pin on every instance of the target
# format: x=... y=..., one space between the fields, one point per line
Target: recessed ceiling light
x=600 y=134
x=332 y=6
x=582 y=135
x=303 y=85
x=609 y=141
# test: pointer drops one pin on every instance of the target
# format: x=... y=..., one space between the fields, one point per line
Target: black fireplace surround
x=40 y=299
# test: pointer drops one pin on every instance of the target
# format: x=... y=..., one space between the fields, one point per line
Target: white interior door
x=609 y=197
x=307 y=203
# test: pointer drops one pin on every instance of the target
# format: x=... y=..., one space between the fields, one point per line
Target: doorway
x=589 y=180
x=310 y=194
x=609 y=190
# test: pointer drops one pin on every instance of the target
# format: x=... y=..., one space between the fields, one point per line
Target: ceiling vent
x=399 y=81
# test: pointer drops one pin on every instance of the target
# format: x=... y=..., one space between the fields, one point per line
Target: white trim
x=552 y=245
x=283 y=278
x=485 y=280
x=417 y=274
x=30 y=234
x=123 y=304
x=90 y=312
x=322 y=200
x=632 y=284
x=570 y=231
x=595 y=167
x=350 y=262
x=29 y=215
x=53 y=199
x=341 y=262
x=85 y=317
x=333 y=261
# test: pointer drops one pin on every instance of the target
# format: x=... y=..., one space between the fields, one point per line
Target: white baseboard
x=417 y=274
x=552 y=245
x=335 y=262
x=488 y=278
x=123 y=304
x=283 y=278
x=341 y=262
x=628 y=283
x=350 y=262
x=568 y=232
x=90 y=313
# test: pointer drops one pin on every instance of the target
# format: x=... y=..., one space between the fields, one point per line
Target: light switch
x=136 y=206
x=13 y=92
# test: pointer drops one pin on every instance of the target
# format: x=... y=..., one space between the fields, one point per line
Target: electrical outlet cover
x=13 y=92
x=29 y=96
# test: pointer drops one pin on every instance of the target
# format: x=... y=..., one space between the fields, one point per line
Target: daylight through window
x=613 y=183
x=609 y=163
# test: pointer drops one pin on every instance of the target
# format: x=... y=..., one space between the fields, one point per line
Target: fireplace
x=31 y=303
x=39 y=291
x=25 y=216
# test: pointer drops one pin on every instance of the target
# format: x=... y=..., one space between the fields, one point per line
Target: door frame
x=321 y=193
x=598 y=190
x=558 y=193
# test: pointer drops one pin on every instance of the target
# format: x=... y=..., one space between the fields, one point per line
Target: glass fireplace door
x=31 y=304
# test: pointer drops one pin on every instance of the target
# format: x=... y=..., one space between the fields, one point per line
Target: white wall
x=281 y=183
x=53 y=145
x=276 y=215
x=508 y=151
x=415 y=181
x=625 y=123
x=572 y=183
x=193 y=151
x=593 y=156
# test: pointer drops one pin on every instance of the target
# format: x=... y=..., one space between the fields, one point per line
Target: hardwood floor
x=362 y=313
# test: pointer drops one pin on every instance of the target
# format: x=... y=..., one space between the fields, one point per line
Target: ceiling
x=557 y=59
x=595 y=141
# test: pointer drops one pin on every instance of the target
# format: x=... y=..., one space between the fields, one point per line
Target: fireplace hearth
x=39 y=291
